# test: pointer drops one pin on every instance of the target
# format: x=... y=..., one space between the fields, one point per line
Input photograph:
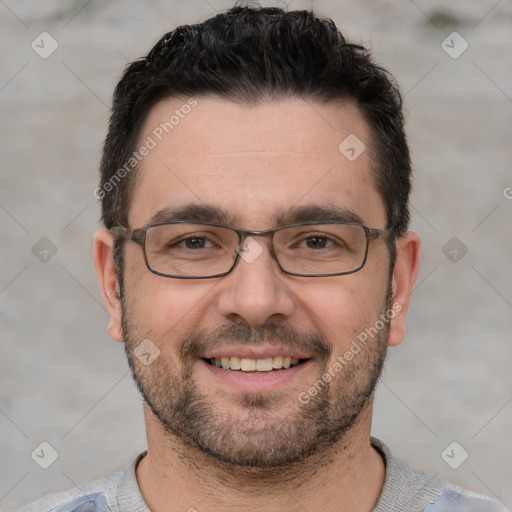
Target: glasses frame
x=138 y=236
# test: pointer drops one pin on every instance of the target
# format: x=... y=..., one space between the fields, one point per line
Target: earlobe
x=108 y=279
x=404 y=277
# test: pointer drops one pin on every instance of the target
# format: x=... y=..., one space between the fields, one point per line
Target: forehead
x=255 y=163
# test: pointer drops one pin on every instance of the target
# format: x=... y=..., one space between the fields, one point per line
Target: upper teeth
x=255 y=365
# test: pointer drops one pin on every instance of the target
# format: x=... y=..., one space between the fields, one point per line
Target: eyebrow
x=317 y=213
x=195 y=212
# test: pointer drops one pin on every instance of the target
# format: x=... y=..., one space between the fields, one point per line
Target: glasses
x=199 y=250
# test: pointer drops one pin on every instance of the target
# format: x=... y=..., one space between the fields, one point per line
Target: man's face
x=256 y=163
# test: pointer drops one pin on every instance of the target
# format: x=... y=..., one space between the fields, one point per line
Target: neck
x=347 y=477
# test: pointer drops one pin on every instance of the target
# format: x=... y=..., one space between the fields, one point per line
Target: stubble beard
x=253 y=431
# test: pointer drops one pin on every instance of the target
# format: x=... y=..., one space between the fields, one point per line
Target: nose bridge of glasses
x=244 y=235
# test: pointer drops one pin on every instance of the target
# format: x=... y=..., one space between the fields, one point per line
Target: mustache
x=241 y=333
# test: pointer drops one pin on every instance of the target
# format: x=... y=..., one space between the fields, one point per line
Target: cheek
x=163 y=308
x=344 y=308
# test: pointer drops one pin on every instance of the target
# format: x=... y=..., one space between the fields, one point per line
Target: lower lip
x=256 y=381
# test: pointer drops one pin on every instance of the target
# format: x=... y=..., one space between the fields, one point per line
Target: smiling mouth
x=243 y=364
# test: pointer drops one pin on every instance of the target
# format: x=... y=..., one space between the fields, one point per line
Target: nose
x=255 y=290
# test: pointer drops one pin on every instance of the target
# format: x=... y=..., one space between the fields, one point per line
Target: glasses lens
x=190 y=250
x=321 y=249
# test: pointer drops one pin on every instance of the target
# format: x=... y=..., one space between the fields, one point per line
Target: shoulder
x=98 y=496
x=117 y=492
x=455 y=499
x=408 y=489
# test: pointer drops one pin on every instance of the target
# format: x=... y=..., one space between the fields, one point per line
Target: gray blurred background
x=64 y=382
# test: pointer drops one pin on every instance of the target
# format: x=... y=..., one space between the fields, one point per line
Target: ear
x=107 y=276
x=404 y=277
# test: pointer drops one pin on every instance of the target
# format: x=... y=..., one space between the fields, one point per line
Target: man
x=256 y=264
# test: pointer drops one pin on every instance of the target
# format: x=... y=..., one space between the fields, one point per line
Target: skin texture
x=210 y=445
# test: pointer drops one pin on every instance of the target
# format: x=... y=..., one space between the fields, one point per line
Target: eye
x=318 y=241
x=313 y=242
x=192 y=242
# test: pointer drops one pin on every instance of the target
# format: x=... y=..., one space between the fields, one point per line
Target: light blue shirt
x=405 y=490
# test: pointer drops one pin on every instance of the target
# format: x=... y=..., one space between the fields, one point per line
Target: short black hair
x=251 y=55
